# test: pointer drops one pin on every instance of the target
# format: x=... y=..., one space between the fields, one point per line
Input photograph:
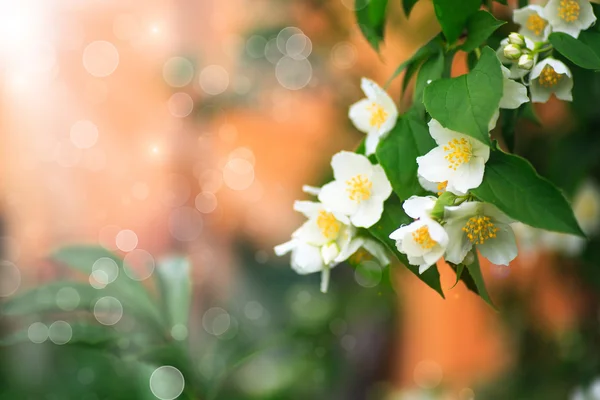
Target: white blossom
x=423 y=241
x=359 y=189
x=515 y=71
x=458 y=159
x=376 y=115
x=550 y=76
x=569 y=16
x=481 y=225
x=323 y=241
x=533 y=24
x=514 y=93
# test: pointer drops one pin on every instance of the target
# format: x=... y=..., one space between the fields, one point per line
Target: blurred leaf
x=512 y=184
x=370 y=15
x=467 y=103
x=173 y=277
x=576 y=50
x=127 y=290
x=480 y=27
x=393 y=217
x=475 y=278
x=407 y=6
x=397 y=154
x=453 y=17
x=82 y=333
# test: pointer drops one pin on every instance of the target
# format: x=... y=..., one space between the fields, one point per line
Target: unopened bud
x=469 y=258
x=512 y=51
x=526 y=62
x=516 y=38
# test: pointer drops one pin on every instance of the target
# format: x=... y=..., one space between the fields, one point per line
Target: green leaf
x=432 y=47
x=446 y=199
x=127 y=290
x=453 y=16
x=575 y=50
x=81 y=333
x=176 y=289
x=431 y=70
x=473 y=279
x=370 y=15
x=407 y=6
x=480 y=27
x=528 y=112
x=505 y=2
x=459 y=270
x=397 y=154
x=512 y=184
x=467 y=103
x=393 y=217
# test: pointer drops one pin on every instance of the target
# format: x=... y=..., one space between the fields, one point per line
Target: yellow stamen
x=549 y=78
x=459 y=152
x=421 y=236
x=359 y=188
x=441 y=187
x=378 y=115
x=568 y=10
x=479 y=229
x=536 y=24
x=329 y=225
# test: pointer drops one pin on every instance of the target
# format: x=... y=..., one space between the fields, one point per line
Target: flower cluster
x=529 y=52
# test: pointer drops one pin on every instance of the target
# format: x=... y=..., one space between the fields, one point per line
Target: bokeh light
x=84 y=134
x=100 y=58
x=37 y=332
x=167 y=382
x=138 y=264
x=11 y=278
x=214 y=79
x=60 y=332
x=108 y=310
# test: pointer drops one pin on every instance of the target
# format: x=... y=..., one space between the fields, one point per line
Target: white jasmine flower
x=550 y=76
x=458 y=159
x=481 y=225
x=569 y=16
x=533 y=24
x=376 y=115
x=324 y=241
x=438 y=187
x=359 y=189
x=515 y=71
x=514 y=93
x=423 y=241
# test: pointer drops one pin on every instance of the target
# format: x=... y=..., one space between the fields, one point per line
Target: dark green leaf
x=467 y=103
x=176 y=289
x=453 y=16
x=512 y=185
x=431 y=70
x=81 y=333
x=432 y=47
x=370 y=15
x=446 y=199
x=480 y=27
x=474 y=281
x=393 y=217
x=397 y=154
x=459 y=270
x=575 y=50
x=408 y=5
x=505 y=2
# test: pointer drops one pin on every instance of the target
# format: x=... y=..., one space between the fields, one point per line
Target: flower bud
x=512 y=51
x=469 y=258
x=526 y=62
x=516 y=39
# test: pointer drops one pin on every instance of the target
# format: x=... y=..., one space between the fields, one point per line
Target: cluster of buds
x=517 y=50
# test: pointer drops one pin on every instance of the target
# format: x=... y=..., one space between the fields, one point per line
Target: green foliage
x=432 y=47
x=453 y=17
x=398 y=152
x=480 y=27
x=370 y=15
x=576 y=50
x=175 y=289
x=432 y=69
x=512 y=185
x=473 y=273
x=467 y=103
x=393 y=217
x=407 y=6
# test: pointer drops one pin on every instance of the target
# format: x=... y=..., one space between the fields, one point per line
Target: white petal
x=399 y=233
x=424 y=267
x=286 y=247
x=412 y=248
x=371 y=142
x=329 y=252
x=572 y=30
x=539 y=94
x=377 y=250
x=495 y=214
x=428 y=185
x=434 y=255
x=412 y=260
x=310 y=233
x=335 y=197
x=558 y=66
x=434 y=167
x=437 y=232
x=458 y=244
x=360 y=115
x=537 y=69
x=351 y=248
x=308 y=208
x=494 y=120
x=417 y=207
x=586 y=16
x=480 y=150
x=382 y=188
x=469 y=175
x=440 y=134
x=347 y=165
x=514 y=94
x=463 y=212
x=313 y=190
x=502 y=249
x=368 y=213
x=550 y=13
x=371 y=89
x=306 y=259
x=564 y=88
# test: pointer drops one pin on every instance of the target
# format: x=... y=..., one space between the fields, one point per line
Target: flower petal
x=377 y=250
x=440 y=134
x=360 y=115
x=306 y=259
x=351 y=248
x=417 y=206
x=539 y=94
x=308 y=208
x=347 y=164
x=368 y=213
x=502 y=249
x=335 y=197
x=286 y=247
x=434 y=167
x=469 y=175
x=372 y=141
x=514 y=94
x=382 y=188
x=458 y=244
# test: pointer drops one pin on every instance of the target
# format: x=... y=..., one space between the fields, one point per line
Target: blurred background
x=151 y=154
